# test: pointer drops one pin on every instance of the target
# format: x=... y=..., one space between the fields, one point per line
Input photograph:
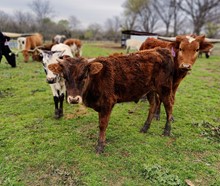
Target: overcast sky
x=86 y=11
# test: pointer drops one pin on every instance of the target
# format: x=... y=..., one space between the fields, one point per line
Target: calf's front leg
x=61 y=99
x=103 y=124
x=168 y=104
x=56 y=104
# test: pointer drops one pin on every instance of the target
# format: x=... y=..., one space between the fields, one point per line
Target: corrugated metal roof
x=134 y=32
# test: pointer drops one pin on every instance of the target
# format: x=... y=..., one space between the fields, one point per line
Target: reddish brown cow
x=150 y=43
x=185 y=50
x=36 y=54
x=105 y=81
x=206 y=52
x=31 y=43
x=75 y=45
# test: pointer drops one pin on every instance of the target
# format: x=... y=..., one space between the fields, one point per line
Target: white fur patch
x=191 y=39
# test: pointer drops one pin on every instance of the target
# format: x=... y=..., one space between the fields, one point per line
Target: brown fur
x=32 y=42
x=76 y=42
x=150 y=43
x=119 y=78
x=185 y=56
x=36 y=55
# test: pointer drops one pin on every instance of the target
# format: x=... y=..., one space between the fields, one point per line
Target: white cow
x=132 y=44
x=56 y=82
x=59 y=39
x=21 y=41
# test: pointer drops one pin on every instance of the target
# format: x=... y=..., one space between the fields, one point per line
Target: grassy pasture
x=36 y=149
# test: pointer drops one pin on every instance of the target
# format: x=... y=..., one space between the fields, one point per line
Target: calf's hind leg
x=168 y=104
x=152 y=100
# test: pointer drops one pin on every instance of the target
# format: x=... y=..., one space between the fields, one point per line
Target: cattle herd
x=154 y=72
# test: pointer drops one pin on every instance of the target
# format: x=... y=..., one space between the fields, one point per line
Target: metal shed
x=133 y=34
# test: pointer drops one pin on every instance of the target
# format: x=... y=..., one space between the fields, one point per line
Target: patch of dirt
x=209 y=131
x=54 y=176
x=82 y=110
x=9 y=92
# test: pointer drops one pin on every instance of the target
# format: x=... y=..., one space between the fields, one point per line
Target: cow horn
x=39 y=50
x=60 y=60
x=91 y=59
x=19 y=51
x=167 y=38
x=31 y=50
x=36 y=48
x=15 y=35
x=212 y=40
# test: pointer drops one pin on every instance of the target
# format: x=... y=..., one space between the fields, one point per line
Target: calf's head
x=187 y=49
x=36 y=55
x=50 y=57
x=77 y=73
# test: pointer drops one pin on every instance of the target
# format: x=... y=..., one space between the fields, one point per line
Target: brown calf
x=75 y=45
x=105 y=81
x=31 y=43
x=184 y=50
x=36 y=54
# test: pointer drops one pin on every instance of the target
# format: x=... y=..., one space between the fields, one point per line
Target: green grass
x=36 y=149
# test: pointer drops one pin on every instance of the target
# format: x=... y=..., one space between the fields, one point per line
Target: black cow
x=5 y=50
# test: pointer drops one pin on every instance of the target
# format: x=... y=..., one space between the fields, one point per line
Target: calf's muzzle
x=51 y=80
x=185 y=66
x=74 y=100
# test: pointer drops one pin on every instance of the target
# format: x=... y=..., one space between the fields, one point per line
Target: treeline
x=165 y=17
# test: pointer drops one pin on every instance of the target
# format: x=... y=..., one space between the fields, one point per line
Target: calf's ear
x=55 y=68
x=95 y=67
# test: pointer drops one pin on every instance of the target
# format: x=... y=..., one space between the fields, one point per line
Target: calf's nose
x=50 y=80
x=185 y=66
x=74 y=100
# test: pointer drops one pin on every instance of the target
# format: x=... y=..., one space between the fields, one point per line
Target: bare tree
x=112 y=31
x=24 y=21
x=5 y=21
x=165 y=11
x=41 y=8
x=74 y=22
x=132 y=12
x=212 y=26
x=148 y=18
x=198 y=11
x=212 y=29
x=93 y=32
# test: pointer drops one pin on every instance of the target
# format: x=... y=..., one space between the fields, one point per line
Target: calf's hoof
x=57 y=114
x=60 y=113
x=166 y=133
x=100 y=148
x=144 y=129
x=157 y=117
